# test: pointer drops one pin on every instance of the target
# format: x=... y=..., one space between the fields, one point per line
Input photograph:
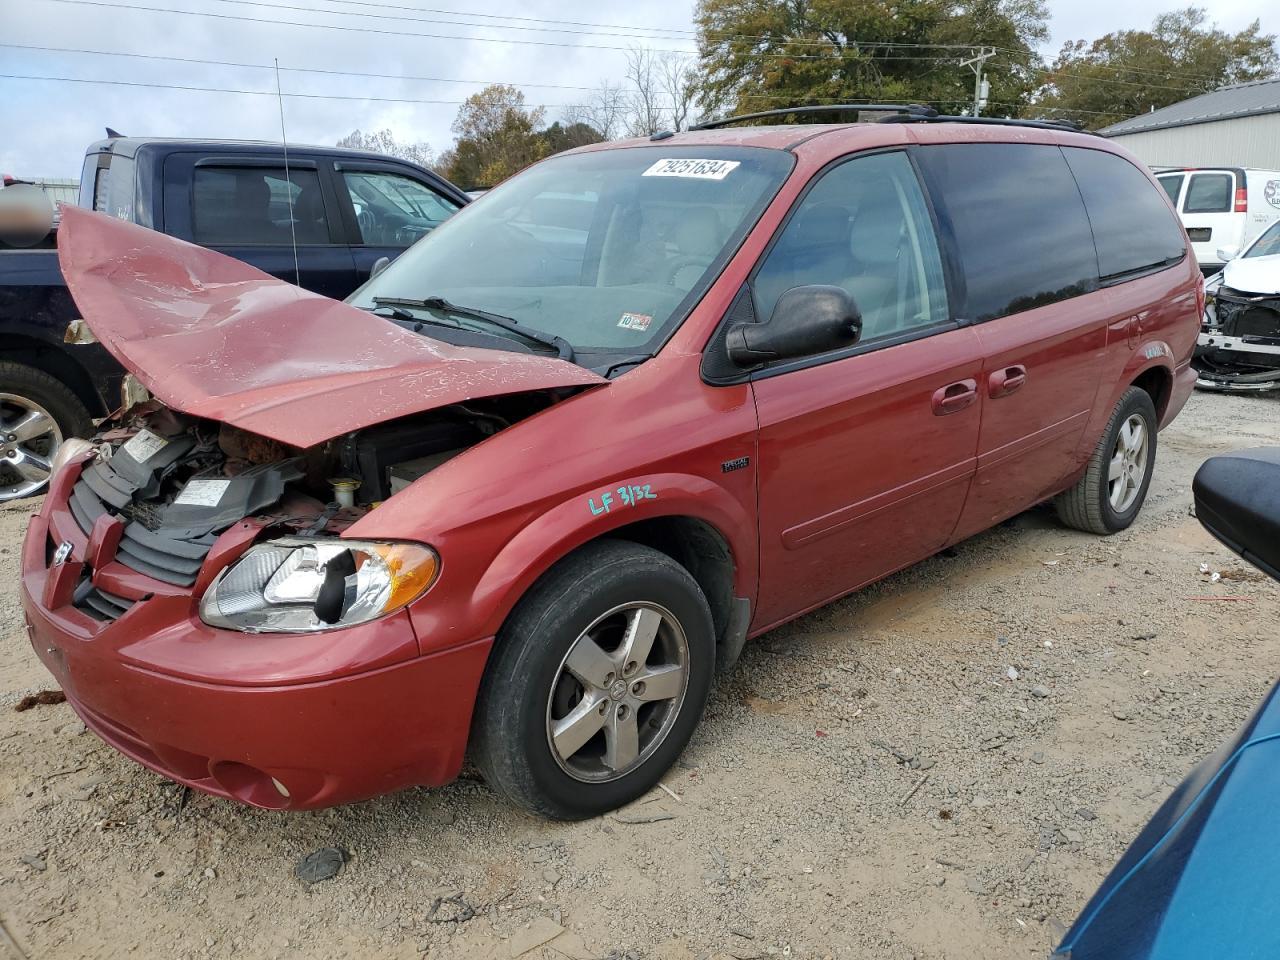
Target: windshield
x=608 y=250
x=1267 y=245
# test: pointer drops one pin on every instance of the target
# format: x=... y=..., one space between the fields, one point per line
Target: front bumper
x=285 y=722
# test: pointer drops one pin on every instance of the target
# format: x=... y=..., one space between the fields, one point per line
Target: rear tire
x=1108 y=498
x=40 y=412
x=596 y=682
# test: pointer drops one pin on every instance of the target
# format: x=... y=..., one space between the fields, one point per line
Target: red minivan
x=539 y=479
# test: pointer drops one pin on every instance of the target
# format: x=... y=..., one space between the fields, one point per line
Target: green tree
x=497 y=137
x=762 y=54
x=565 y=136
x=1134 y=71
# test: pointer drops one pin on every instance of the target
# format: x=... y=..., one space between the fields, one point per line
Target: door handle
x=954 y=397
x=1006 y=381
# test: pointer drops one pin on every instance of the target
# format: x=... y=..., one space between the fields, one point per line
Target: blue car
x=1201 y=880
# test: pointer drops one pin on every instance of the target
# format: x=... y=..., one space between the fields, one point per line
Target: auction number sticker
x=144 y=445
x=202 y=493
x=693 y=169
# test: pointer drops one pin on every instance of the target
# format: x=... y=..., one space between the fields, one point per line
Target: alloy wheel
x=617 y=692
x=29 y=436
x=1128 y=467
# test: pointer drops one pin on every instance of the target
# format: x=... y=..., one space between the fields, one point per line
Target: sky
x=45 y=125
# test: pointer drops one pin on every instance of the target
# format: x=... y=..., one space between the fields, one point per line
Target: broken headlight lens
x=294 y=585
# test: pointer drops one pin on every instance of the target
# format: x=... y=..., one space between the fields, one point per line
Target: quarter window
x=254 y=205
x=864 y=227
x=1172 y=187
x=1209 y=193
x=1019 y=223
x=1132 y=228
x=393 y=210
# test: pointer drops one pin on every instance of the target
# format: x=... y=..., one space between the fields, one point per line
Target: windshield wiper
x=562 y=346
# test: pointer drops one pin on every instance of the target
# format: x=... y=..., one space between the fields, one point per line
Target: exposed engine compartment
x=1239 y=345
x=178 y=481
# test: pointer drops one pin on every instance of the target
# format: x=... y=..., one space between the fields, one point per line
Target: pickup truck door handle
x=1006 y=381
x=954 y=397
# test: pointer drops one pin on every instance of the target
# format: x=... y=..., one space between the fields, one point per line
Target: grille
x=100 y=604
x=164 y=558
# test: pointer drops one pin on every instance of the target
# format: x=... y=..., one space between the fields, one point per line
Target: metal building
x=1236 y=126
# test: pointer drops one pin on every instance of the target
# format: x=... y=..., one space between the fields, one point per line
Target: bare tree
x=678 y=80
x=384 y=141
x=645 y=94
x=604 y=111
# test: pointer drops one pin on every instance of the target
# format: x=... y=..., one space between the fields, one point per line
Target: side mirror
x=806 y=321
x=379 y=265
x=1228 y=253
x=1237 y=499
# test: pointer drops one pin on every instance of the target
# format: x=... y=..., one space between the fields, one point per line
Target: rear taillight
x=1242 y=200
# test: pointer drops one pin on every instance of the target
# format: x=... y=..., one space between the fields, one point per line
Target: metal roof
x=1225 y=103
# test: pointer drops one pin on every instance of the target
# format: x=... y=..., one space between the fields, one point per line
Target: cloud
x=47 y=125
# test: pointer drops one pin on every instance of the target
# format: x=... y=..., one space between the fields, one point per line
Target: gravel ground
x=944 y=765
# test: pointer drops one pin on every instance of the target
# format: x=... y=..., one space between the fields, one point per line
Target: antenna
x=284 y=142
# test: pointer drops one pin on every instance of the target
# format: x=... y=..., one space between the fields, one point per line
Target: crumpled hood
x=214 y=337
x=1253 y=274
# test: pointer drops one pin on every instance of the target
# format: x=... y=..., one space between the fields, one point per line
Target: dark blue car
x=1201 y=880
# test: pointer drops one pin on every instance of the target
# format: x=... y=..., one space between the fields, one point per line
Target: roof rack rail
x=908 y=111
x=988 y=121
x=896 y=113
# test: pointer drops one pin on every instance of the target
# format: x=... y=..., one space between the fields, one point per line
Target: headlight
x=296 y=585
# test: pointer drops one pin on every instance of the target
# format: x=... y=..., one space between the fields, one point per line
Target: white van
x=1223 y=208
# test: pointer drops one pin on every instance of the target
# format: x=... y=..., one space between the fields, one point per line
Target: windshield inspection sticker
x=144 y=445
x=635 y=321
x=202 y=493
x=695 y=169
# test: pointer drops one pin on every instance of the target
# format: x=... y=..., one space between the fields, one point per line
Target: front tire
x=37 y=412
x=597 y=682
x=1108 y=498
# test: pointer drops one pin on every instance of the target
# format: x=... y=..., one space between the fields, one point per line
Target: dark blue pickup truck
x=345 y=210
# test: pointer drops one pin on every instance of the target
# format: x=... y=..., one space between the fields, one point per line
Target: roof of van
x=788 y=135
x=1225 y=103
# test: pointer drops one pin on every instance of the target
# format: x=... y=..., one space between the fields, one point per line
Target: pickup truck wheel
x=36 y=413
x=1108 y=497
x=596 y=683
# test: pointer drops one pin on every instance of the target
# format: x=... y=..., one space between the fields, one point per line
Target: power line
x=264 y=66
x=448 y=36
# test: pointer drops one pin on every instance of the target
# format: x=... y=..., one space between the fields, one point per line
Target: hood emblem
x=62 y=553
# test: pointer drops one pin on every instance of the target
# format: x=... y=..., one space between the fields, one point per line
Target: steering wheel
x=679 y=263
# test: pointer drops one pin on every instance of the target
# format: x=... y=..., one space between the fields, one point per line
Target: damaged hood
x=214 y=337
x=1259 y=275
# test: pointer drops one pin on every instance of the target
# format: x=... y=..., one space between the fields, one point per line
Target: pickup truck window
x=394 y=211
x=252 y=205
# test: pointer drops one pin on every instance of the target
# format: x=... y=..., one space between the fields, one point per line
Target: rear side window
x=1209 y=193
x=254 y=205
x=1132 y=228
x=1019 y=224
x=1172 y=187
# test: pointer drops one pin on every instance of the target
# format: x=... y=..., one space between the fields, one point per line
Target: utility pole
x=980 y=86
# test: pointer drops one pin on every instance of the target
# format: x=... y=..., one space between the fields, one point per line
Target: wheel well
x=699 y=548
x=1157 y=382
x=58 y=365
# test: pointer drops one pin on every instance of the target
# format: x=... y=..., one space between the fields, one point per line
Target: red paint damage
x=216 y=338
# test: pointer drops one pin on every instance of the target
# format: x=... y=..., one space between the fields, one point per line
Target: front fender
x=590 y=515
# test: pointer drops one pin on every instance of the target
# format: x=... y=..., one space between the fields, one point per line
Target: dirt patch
x=870 y=781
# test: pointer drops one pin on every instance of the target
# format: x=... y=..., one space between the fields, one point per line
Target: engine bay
x=178 y=481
